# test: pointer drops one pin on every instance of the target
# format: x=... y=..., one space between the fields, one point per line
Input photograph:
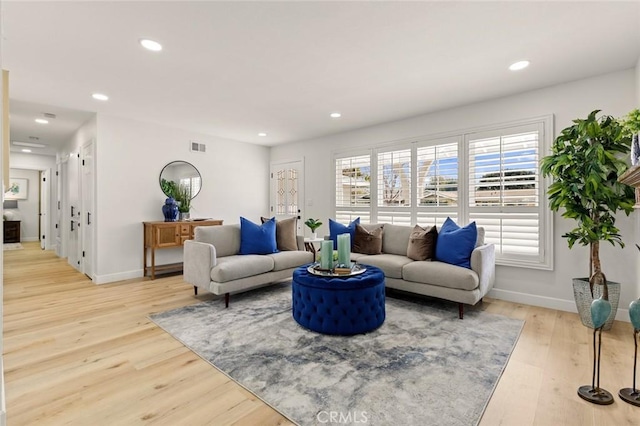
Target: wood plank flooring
x=81 y=354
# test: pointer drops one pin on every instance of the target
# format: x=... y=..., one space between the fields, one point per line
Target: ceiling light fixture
x=41 y=121
x=26 y=150
x=335 y=115
x=100 y=97
x=29 y=144
x=262 y=134
x=520 y=65
x=154 y=46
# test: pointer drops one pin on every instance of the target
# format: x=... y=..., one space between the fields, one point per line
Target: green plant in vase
x=183 y=197
x=313 y=224
x=169 y=187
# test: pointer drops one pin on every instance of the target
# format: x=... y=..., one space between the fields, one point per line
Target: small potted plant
x=183 y=197
x=313 y=224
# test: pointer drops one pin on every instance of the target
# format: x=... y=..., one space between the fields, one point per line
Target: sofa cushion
x=336 y=229
x=240 y=266
x=422 y=243
x=368 y=242
x=290 y=259
x=396 y=239
x=257 y=239
x=286 y=233
x=225 y=238
x=440 y=274
x=455 y=244
x=391 y=264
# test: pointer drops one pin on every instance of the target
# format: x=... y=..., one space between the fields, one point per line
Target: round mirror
x=180 y=174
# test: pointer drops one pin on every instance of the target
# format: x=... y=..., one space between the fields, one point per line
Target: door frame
x=300 y=166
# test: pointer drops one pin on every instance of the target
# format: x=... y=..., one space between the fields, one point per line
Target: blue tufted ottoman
x=339 y=305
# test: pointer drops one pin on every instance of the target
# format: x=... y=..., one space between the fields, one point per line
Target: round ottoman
x=339 y=305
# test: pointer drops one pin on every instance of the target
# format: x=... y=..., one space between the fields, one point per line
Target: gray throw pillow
x=286 y=233
x=422 y=243
x=367 y=242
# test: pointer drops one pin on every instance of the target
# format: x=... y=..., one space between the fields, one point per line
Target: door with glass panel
x=287 y=191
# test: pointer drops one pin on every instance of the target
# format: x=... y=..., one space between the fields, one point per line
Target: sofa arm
x=199 y=259
x=483 y=262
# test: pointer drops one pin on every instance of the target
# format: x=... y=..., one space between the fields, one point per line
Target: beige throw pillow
x=367 y=242
x=422 y=243
x=286 y=233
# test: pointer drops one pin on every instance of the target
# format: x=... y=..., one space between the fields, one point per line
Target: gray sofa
x=430 y=277
x=212 y=262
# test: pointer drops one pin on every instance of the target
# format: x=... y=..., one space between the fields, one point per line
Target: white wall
x=614 y=94
x=129 y=158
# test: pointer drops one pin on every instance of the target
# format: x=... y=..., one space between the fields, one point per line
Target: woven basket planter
x=583 y=298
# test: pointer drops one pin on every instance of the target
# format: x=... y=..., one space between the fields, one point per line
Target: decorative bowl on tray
x=338 y=271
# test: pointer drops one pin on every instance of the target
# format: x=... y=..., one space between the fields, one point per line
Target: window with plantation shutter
x=353 y=188
x=490 y=176
x=504 y=193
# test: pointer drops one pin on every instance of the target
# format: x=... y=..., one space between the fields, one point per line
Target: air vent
x=49 y=115
x=198 y=147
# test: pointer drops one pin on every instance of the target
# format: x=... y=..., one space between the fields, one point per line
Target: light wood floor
x=77 y=353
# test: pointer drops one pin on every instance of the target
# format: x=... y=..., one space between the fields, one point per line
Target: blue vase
x=170 y=210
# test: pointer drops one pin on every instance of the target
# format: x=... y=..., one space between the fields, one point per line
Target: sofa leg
x=195 y=290
x=226 y=300
x=460 y=310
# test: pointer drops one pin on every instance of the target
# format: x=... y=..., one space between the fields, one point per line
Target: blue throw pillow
x=455 y=244
x=336 y=229
x=258 y=239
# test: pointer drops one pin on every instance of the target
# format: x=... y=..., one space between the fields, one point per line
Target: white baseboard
x=546 y=302
x=120 y=276
x=3 y=407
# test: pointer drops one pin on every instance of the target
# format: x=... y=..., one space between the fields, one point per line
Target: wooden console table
x=11 y=230
x=163 y=235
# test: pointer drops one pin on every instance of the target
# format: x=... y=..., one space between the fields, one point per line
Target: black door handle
x=72 y=228
x=88 y=218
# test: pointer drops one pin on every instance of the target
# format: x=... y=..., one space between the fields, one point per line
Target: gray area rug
x=423 y=366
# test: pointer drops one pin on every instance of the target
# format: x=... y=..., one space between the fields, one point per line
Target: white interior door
x=45 y=184
x=287 y=191
x=87 y=201
x=61 y=219
x=72 y=213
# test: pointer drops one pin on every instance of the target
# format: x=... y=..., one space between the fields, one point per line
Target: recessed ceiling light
x=29 y=144
x=262 y=134
x=26 y=150
x=154 y=46
x=335 y=115
x=100 y=97
x=520 y=65
x=41 y=121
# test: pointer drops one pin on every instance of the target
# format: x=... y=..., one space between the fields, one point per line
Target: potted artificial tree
x=313 y=224
x=586 y=161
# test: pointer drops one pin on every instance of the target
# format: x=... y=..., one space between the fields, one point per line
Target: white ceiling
x=233 y=69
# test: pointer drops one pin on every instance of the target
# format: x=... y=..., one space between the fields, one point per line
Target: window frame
x=544 y=124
